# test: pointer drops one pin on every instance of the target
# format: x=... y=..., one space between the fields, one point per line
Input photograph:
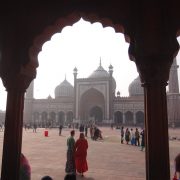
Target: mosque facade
x=94 y=99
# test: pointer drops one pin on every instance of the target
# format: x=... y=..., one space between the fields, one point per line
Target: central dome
x=99 y=73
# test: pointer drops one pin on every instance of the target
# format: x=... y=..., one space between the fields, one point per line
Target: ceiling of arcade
x=26 y=30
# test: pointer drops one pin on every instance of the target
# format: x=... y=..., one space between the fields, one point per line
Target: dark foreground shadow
x=84 y=178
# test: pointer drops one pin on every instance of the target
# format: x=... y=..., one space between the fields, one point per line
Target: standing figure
x=70 y=163
x=81 y=147
x=132 y=137
x=25 y=169
x=60 y=129
x=142 y=140
x=91 y=131
x=177 y=167
x=1 y=129
x=86 y=130
x=137 y=136
x=81 y=128
x=34 y=127
x=127 y=136
x=122 y=134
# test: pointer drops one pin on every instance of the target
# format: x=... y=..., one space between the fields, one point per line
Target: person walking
x=122 y=134
x=70 y=163
x=60 y=129
x=81 y=147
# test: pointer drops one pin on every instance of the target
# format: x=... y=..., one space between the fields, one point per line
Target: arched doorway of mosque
x=69 y=117
x=61 y=117
x=129 y=118
x=96 y=114
x=140 y=118
x=118 y=118
x=52 y=119
x=36 y=118
x=44 y=119
x=92 y=106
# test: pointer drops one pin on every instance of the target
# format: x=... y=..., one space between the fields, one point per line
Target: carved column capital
x=20 y=80
x=154 y=69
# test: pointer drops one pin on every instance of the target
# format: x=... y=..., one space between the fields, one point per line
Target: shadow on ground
x=84 y=178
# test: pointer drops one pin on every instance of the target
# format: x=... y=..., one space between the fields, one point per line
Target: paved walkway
x=107 y=159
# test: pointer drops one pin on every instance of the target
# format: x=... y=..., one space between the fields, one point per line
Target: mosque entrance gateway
x=96 y=114
x=91 y=105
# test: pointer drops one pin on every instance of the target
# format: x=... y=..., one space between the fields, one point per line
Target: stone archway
x=153 y=45
x=96 y=114
x=118 y=118
x=44 y=121
x=91 y=102
x=36 y=118
x=69 y=119
x=52 y=118
x=140 y=118
x=61 y=118
x=129 y=118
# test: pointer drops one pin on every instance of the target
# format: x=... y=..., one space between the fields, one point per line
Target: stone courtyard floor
x=108 y=159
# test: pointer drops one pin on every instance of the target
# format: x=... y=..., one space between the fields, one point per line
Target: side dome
x=65 y=89
x=135 y=88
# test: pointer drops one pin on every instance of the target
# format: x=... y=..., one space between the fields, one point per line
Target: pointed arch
x=69 y=20
x=118 y=117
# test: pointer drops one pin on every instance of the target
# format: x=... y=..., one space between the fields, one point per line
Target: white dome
x=64 y=89
x=99 y=73
x=135 y=88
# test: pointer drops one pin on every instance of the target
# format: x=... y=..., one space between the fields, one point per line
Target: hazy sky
x=81 y=45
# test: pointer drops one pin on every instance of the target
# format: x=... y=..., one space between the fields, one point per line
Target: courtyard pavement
x=108 y=159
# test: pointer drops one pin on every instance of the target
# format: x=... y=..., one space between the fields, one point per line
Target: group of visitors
x=76 y=155
x=95 y=133
x=133 y=137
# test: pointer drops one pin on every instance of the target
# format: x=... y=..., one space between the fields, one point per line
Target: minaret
x=173 y=78
x=75 y=78
x=173 y=96
x=28 y=103
x=30 y=91
x=111 y=93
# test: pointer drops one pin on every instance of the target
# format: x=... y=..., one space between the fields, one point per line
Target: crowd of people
x=132 y=137
x=76 y=155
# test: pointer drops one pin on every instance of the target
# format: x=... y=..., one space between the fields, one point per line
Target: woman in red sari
x=81 y=147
